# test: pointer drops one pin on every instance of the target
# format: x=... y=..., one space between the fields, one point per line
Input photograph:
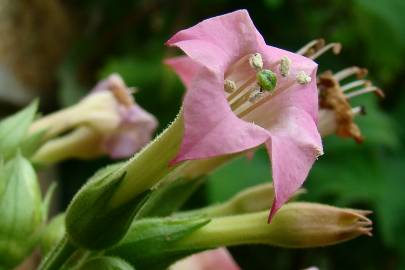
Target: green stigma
x=266 y=79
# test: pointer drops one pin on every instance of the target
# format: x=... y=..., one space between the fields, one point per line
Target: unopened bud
x=151 y=243
x=21 y=211
x=107 y=121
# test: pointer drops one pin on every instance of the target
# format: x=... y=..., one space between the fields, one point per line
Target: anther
x=284 y=67
x=266 y=79
x=303 y=78
x=336 y=48
x=256 y=61
x=229 y=86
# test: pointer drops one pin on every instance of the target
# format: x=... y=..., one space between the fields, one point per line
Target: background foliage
x=128 y=37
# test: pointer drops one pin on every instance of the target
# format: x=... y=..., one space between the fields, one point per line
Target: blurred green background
x=98 y=37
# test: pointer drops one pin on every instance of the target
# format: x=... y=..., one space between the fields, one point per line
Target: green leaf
x=170 y=197
x=151 y=243
x=14 y=128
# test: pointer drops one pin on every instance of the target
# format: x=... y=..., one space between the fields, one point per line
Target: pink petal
x=302 y=96
x=211 y=128
x=218 y=259
x=294 y=146
x=135 y=131
x=219 y=41
x=185 y=68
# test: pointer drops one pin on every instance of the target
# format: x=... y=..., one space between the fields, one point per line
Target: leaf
x=14 y=128
x=150 y=243
x=168 y=198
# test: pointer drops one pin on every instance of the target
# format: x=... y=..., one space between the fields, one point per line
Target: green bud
x=21 y=212
x=91 y=222
x=296 y=225
x=105 y=263
x=266 y=79
x=52 y=233
x=156 y=243
x=14 y=128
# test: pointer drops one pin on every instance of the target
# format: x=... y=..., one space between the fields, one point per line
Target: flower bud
x=150 y=243
x=107 y=121
x=21 y=211
x=105 y=263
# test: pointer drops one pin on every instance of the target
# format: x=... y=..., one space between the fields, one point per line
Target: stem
x=59 y=255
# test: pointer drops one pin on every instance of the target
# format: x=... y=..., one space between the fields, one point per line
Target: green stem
x=59 y=255
x=147 y=167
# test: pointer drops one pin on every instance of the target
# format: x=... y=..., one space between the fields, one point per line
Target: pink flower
x=135 y=127
x=218 y=259
x=229 y=107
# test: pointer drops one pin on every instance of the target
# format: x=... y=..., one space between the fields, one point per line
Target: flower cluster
x=241 y=94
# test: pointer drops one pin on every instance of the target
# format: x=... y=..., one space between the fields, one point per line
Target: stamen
x=229 y=86
x=265 y=99
x=344 y=73
x=336 y=48
x=256 y=61
x=241 y=88
x=303 y=78
x=315 y=45
x=355 y=84
x=266 y=79
x=365 y=90
x=255 y=95
x=285 y=64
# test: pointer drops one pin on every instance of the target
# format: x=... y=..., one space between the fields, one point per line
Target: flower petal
x=304 y=97
x=219 y=41
x=135 y=131
x=218 y=259
x=184 y=67
x=211 y=128
x=294 y=146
